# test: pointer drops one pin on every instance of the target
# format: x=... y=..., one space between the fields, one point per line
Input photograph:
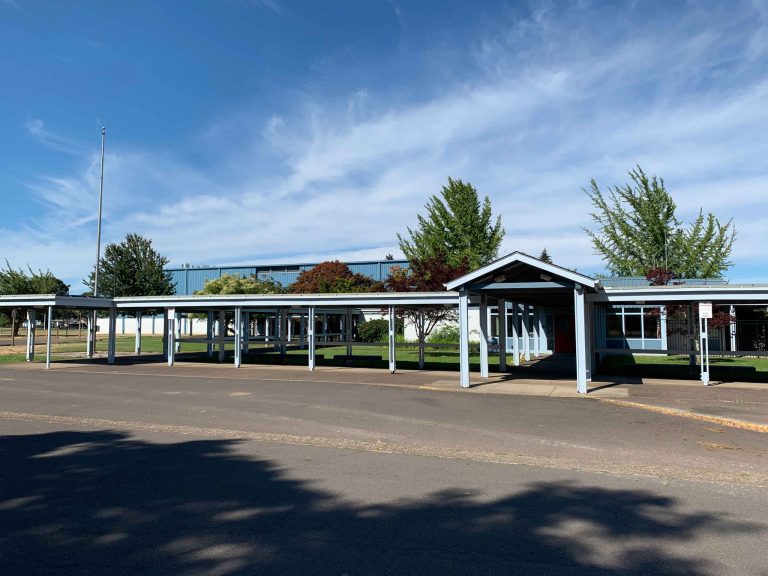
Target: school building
x=513 y=309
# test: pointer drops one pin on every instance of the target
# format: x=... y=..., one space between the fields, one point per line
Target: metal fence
x=740 y=336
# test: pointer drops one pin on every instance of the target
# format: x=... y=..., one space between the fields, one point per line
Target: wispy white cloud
x=36 y=128
x=548 y=103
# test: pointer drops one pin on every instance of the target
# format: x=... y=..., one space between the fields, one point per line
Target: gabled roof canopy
x=520 y=270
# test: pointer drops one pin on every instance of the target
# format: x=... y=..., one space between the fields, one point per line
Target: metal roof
x=732 y=293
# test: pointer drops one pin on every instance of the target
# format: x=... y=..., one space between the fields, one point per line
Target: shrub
x=373 y=330
x=445 y=334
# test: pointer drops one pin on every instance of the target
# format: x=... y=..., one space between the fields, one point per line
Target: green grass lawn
x=656 y=366
x=407 y=357
x=727 y=368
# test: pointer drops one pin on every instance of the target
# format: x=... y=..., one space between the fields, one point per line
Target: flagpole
x=98 y=243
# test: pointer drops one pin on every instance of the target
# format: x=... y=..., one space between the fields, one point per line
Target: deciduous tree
x=133 y=268
x=637 y=230
x=428 y=275
x=235 y=284
x=333 y=277
x=14 y=281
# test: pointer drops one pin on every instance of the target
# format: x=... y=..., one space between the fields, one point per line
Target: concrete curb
x=730 y=422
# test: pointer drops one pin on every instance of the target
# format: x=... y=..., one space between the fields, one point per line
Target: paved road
x=274 y=471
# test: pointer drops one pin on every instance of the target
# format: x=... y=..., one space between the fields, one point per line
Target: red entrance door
x=565 y=334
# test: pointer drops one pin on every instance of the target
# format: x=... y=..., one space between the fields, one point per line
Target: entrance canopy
x=527 y=284
x=527 y=278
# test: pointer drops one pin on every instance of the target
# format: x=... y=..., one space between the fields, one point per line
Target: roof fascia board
x=525 y=259
x=683 y=294
x=43 y=300
x=294 y=300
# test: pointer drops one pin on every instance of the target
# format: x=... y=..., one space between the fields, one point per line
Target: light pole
x=92 y=335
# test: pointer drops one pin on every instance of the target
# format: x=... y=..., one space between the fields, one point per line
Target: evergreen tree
x=457 y=226
x=639 y=231
x=133 y=268
x=545 y=257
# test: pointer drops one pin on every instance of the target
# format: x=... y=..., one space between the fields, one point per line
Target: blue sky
x=249 y=131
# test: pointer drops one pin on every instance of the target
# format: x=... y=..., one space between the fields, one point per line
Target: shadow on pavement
x=105 y=503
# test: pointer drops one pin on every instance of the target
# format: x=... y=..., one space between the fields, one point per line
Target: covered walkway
x=527 y=310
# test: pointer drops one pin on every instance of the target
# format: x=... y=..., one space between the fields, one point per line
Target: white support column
x=422 y=344
x=536 y=335
x=515 y=334
x=111 y=344
x=527 y=332
x=542 y=334
x=177 y=326
x=464 y=338
x=391 y=340
x=281 y=319
x=165 y=332
x=92 y=333
x=48 y=338
x=137 y=344
x=348 y=330
x=484 y=336
x=278 y=330
x=89 y=344
x=311 y=337
x=589 y=359
x=170 y=334
x=581 y=339
x=31 y=321
x=289 y=325
x=246 y=331
x=732 y=328
x=502 y=317
x=238 y=336
x=154 y=315
x=325 y=327
x=209 y=334
x=222 y=333
x=704 y=349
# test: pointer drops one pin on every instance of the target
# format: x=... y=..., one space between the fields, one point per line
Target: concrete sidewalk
x=733 y=403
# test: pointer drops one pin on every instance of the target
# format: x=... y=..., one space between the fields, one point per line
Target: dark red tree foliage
x=333 y=277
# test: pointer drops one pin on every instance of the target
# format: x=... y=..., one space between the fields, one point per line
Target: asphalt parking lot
x=201 y=469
